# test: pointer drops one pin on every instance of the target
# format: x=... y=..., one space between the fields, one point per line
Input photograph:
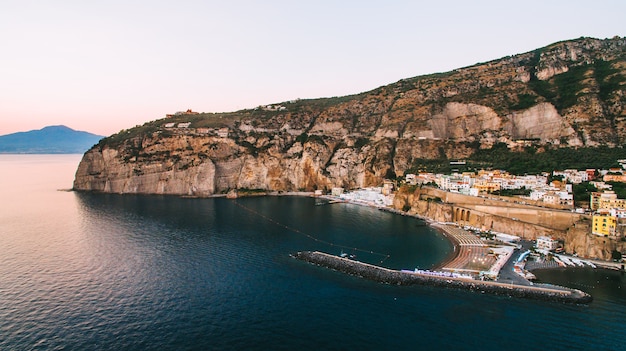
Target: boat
x=566 y=261
x=577 y=262
x=559 y=262
x=529 y=276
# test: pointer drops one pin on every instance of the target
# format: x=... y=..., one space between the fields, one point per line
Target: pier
x=394 y=277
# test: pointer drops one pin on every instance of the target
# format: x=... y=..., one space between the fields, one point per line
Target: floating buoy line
x=269 y=219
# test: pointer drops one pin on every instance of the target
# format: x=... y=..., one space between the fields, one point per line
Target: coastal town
x=549 y=190
x=266 y=175
x=502 y=226
x=506 y=256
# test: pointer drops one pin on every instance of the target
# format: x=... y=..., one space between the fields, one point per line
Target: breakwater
x=389 y=276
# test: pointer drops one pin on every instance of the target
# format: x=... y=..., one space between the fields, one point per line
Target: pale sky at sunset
x=103 y=66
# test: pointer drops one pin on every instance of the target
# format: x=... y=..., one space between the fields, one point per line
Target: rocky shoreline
x=388 y=276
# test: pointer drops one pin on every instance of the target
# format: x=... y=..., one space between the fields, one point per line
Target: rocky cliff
x=526 y=221
x=571 y=93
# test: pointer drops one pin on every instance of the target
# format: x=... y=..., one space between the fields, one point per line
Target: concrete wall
x=491 y=200
x=545 y=217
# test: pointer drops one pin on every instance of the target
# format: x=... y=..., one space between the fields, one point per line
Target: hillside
x=48 y=140
x=570 y=94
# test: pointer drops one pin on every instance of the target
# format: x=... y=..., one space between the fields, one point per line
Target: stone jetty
x=394 y=277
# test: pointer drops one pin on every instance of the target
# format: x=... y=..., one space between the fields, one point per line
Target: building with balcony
x=607 y=199
x=604 y=224
x=547 y=243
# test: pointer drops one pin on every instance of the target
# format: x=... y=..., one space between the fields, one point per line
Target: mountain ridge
x=56 y=139
x=567 y=94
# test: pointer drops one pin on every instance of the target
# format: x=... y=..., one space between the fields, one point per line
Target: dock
x=394 y=277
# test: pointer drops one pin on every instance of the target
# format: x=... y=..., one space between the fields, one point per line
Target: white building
x=371 y=196
x=336 y=191
x=551 y=198
x=537 y=195
x=450 y=182
x=618 y=212
x=547 y=243
x=410 y=179
x=222 y=132
x=566 y=198
x=601 y=185
x=573 y=175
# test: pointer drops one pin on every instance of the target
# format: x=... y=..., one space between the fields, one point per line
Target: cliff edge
x=568 y=94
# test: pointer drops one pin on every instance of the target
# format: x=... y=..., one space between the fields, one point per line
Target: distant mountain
x=48 y=140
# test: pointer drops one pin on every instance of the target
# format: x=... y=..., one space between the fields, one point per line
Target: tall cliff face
x=567 y=94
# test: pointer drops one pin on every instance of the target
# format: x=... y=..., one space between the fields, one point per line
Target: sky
x=106 y=65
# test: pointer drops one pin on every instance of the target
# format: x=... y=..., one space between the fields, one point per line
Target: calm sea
x=110 y=272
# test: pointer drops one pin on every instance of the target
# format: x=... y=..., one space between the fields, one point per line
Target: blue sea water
x=81 y=271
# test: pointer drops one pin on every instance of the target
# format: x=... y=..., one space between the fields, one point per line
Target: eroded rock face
x=358 y=141
x=581 y=241
x=463 y=121
x=541 y=122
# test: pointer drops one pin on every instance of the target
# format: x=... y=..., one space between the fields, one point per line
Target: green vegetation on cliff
x=529 y=161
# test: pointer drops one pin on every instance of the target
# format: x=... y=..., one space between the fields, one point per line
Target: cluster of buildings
x=607 y=210
x=184 y=127
x=276 y=107
x=609 y=214
x=377 y=196
x=474 y=184
x=182 y=113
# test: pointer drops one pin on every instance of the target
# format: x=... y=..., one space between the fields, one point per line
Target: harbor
x=395 y=277
x=499 y=264
x=473 y=265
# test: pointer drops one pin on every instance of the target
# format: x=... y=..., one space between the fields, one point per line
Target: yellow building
x=485 y=186
x=604 y=225
x=607 y=199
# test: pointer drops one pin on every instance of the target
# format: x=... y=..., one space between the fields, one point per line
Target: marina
x=473 y=265
x=474 y=259
x=394 y=277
